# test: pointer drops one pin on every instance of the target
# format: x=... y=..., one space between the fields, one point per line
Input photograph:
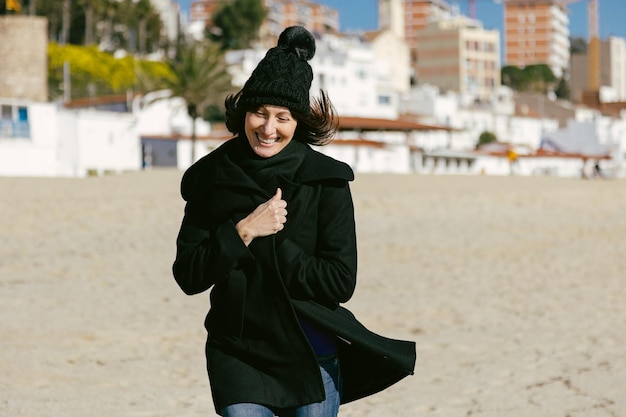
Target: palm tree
x=200 y=78
x=66 y=16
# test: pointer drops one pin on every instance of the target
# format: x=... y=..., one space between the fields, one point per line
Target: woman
x=269 y=225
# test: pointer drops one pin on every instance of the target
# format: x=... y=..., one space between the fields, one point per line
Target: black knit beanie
x=283 y=77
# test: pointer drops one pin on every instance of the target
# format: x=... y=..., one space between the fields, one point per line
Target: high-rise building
x=409 y=17
x=537 y=32
x=612 y=71
x=457 y=54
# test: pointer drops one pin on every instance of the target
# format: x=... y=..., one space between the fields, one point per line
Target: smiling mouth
x=266 y=141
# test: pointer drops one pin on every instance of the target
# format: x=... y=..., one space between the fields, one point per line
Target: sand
x=512 y=288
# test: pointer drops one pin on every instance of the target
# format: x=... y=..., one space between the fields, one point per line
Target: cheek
x=249 y=123
x=288 y=131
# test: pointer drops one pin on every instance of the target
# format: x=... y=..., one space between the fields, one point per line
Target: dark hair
x=316 y=128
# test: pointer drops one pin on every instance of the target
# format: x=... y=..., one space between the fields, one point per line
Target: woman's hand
x=267 y=219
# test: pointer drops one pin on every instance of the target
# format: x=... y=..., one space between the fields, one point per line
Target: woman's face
x=269 y=129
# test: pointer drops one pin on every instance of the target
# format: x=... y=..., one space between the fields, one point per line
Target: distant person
x=269 y=227
x=512 y=157
x=586 y=169
x=597 y=171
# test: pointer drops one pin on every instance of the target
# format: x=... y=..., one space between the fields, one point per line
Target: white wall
x=34 y=156
x=158 y=115
x=346 y=67
x=107 y=142
x=72 y=143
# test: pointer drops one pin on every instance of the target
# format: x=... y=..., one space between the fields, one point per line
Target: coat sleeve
x=206 y=257
x=327 y=276
x=206 y=250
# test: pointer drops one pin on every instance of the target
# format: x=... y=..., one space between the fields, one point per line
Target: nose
x=269 y=126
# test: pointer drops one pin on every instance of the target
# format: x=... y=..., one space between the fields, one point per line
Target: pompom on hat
x=284 y=76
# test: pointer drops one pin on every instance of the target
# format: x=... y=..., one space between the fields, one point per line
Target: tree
x=540 y=78
x=66 y=16
x=486 y=138
x=96 y=73
x=236 y=23
x=91 y=9
x=199 y=77
x=535 y=78
x=513 y=77
x=578 y=46
x=111 y=24
x=563 y=90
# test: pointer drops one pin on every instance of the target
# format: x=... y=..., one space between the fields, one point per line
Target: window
x=14 y=122
x=322 y=78
x=384 y=100
x=361 y=73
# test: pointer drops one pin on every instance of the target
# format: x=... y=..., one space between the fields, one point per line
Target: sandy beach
x=512 y=288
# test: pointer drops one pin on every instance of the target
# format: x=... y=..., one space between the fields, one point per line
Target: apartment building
x=458 y=54
x=408 y=17
x=612 y=72
x=537 y=32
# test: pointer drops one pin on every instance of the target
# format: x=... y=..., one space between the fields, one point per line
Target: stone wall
x=23 y=58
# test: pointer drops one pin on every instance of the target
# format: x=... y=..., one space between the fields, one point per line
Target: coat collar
x=219 y=168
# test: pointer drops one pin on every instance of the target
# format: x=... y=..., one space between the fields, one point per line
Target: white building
x=347 y=67
x=392 y=57
x=471 y=118
x=598 y=137
x=165 y=130
x=171 y=16
x=47 y=140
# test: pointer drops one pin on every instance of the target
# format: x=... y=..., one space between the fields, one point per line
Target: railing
x=14 y=129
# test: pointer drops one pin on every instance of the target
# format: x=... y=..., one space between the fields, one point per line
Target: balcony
x=14 y=129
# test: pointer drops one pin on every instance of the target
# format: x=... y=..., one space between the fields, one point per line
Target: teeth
x=266 y=141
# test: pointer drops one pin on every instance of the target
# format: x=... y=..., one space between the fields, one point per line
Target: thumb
x=278 y=195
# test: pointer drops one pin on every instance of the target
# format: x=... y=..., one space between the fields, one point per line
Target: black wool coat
x=256 y=350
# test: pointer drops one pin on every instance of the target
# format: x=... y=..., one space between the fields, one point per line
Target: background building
x=202 y=10
x=169 y=10
x=457 y=54
x=537 y=32
x=612 y=72
x=24 y=64
x=317 y=18
x=408 y=17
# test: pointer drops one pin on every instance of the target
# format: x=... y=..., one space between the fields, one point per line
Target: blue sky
x=363 y=14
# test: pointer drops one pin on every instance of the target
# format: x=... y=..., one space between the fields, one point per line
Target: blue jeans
x=329 y=366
